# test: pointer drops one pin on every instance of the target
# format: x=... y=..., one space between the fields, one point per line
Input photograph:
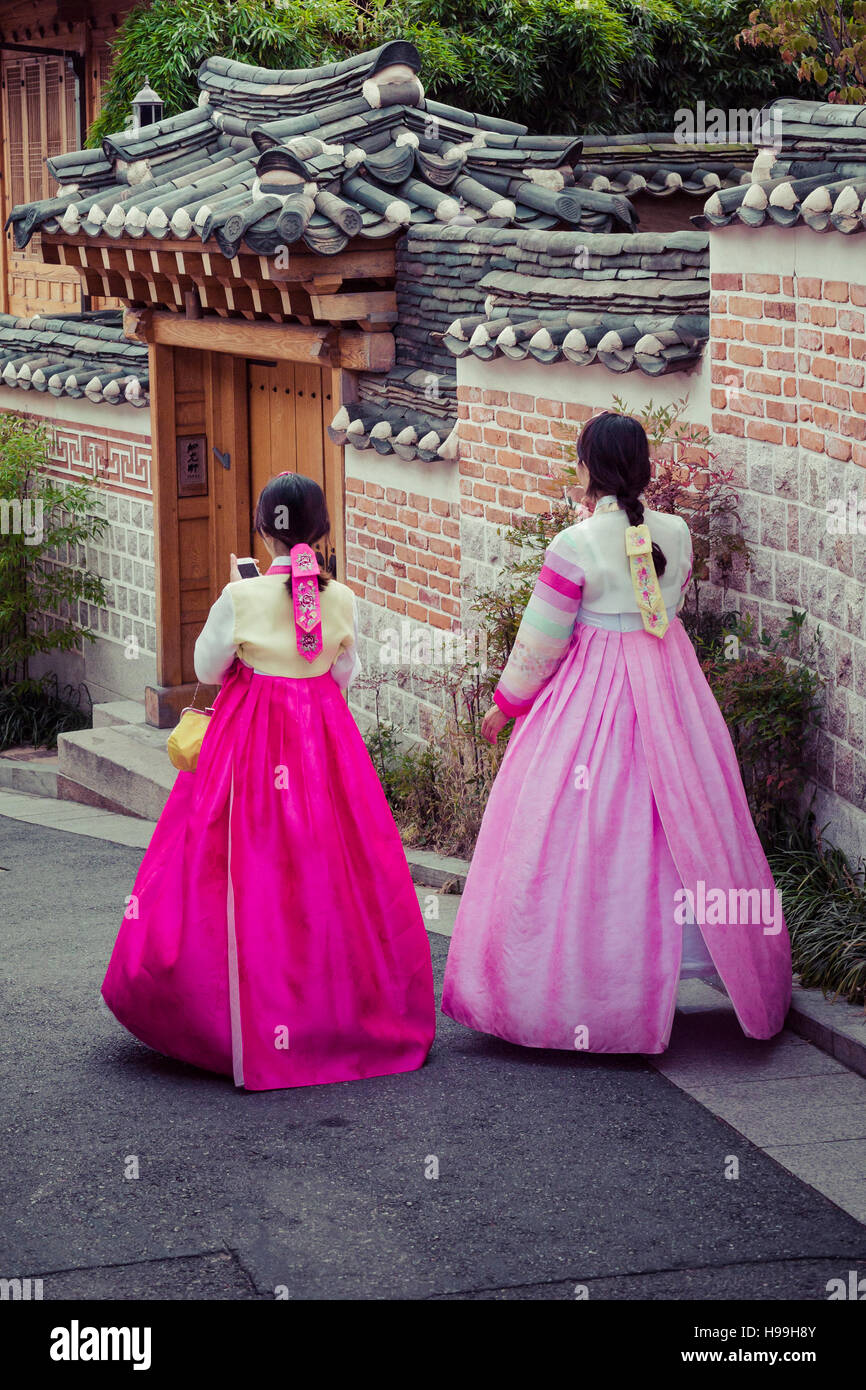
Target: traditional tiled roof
x=393 y=429
x=514 y=243
x=654 y=344
x=321 y=155
x=74 y=355
x=660 y=164
x=817 y=176
x=626 y=300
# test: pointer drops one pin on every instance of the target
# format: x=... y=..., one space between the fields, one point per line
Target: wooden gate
x=289 y=409
x=223 y=425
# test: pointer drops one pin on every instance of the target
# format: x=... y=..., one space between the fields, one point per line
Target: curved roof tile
x=74 y=355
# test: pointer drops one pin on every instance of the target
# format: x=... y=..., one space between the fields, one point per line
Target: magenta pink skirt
x=273 y=932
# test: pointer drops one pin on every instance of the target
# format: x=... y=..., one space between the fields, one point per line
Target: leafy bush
x=825 y=907
x=34 y=712
x=438 y=790
x=769 y=698
x=41 y=518
x=555 y=65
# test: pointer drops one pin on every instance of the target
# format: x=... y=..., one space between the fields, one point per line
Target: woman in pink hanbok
x=617 y=852
x=273 y=932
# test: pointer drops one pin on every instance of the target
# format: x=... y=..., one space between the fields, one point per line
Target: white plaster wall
x=593 y=386
x=64 y=410
x=438 y=479
x=787 y=251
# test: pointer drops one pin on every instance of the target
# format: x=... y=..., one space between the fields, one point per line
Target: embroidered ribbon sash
x=638 y=546
x=305 y=598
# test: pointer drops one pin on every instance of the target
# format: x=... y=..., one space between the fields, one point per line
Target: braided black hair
x=615 y=450
x=291 y=508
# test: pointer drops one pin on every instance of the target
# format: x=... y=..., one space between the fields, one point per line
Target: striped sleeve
x=545 y=629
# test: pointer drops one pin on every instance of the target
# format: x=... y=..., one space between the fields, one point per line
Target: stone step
x=32 y=770
x=122 y=767
x=118 y=712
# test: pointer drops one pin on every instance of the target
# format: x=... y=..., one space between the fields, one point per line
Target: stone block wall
x=788 y=359
x=109 y=448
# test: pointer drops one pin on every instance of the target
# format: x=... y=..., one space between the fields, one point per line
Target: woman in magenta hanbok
x=617 y=852
x=273 y=932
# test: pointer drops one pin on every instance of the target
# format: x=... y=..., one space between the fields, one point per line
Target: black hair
x=292 y=509
x=615 y=450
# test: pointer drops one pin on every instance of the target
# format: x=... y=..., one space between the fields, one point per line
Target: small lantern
x=146 y=107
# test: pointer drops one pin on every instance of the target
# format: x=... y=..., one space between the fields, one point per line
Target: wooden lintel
x=240 y=338
x=348 y=349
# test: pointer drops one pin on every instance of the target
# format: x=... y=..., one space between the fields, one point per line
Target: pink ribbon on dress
x=305 y=598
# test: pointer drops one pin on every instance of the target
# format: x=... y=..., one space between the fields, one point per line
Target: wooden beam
x=286 y=341
x=5 y=194
x=363 y=305
x=323 y=284
x=169 y=659
x=340 y=387
x=365 y=352
x=349 y=349
x=360 y=260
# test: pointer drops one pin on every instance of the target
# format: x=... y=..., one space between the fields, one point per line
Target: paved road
x=554 y=1170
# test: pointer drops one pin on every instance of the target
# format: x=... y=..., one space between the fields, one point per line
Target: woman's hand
x=493 y=723
x=234 y=572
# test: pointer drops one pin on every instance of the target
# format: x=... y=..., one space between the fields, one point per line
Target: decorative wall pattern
x=118 y=462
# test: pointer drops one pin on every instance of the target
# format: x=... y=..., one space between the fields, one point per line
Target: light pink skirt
x=619 y=789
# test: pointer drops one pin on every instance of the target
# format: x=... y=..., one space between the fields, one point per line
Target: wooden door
x=289 y=407
x=243 y=421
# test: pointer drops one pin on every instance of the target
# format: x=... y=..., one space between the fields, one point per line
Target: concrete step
x=118 y=712
x=121 y=767
x=32 y=770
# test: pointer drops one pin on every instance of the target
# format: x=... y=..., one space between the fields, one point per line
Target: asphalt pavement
x=492 y=1173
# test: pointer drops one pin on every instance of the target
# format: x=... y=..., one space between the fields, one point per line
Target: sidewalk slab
x=30 y=770
x=437 y=870
x=77 y=819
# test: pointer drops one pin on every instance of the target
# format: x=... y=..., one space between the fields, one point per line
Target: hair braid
x=634 y=511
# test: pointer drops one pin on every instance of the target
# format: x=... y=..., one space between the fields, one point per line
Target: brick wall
x=788 y=357
x=512 y=442
x=403 y=561
x=403 y=551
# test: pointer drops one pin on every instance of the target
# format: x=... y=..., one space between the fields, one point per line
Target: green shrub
x=40 y=519
x=34 y=712
x=554 y=65
x=825 y=908
x=769 y=697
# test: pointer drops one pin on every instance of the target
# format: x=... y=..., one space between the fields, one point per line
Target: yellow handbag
x=186 y=738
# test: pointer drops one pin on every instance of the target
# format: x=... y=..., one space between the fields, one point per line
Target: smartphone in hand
x=248 y=568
